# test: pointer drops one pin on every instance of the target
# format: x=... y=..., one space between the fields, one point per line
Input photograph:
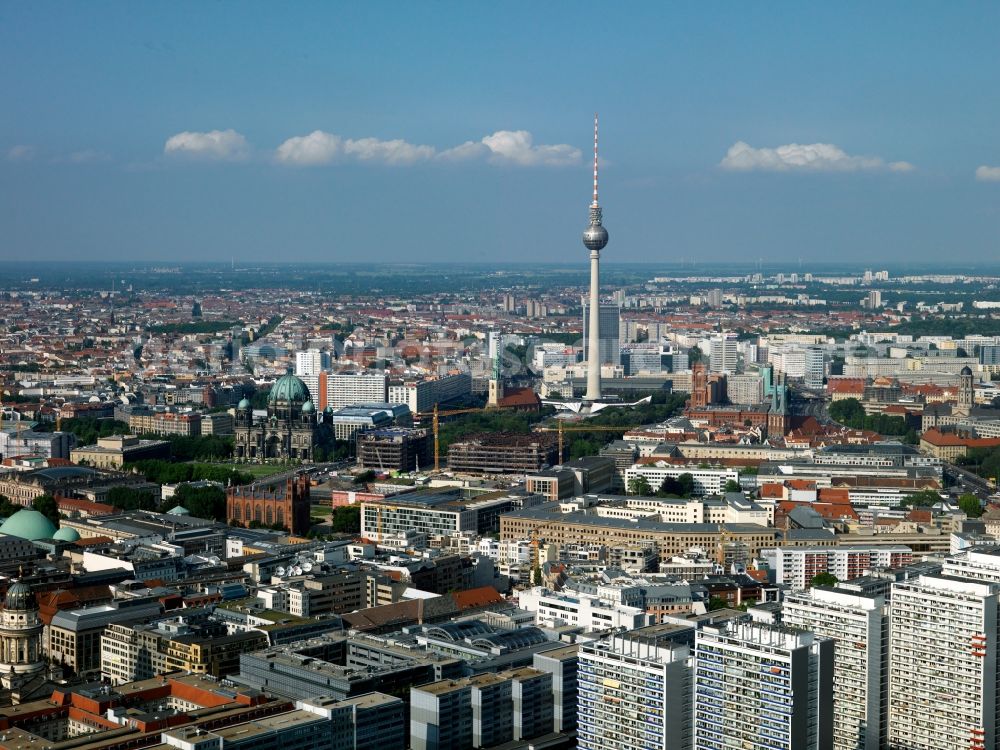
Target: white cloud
x=812 y=157
x=503 y=147
x=516 y=147
x=221 y=145
x=21 y=152
x=88 y=156
x=307 y=150
x=322 y=148
x=988 y=174
x=391 y=152
x=467 y=150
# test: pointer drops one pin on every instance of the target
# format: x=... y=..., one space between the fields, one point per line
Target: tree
x=365 y=476
x=128 y=498
x=202 y=502
x=536 y=576
x=921 y=499
x=717 y=602
x=733 y=486
x=48 y=507
x=639 y=486
x=347 y=519
x=824 y=579
x=970 y=505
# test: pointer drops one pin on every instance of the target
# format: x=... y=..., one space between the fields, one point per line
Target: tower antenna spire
x=595 y=160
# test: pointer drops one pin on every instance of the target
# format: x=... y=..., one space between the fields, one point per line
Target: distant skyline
x=850 y=132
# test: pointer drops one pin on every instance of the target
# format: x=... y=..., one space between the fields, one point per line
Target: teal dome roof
x=66 y=534
x=308 y=406
x=243 y=404
x=179 y=510
x=28 y=524
x=289 y=388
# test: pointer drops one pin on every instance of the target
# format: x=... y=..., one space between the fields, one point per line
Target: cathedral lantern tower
x=20 y=637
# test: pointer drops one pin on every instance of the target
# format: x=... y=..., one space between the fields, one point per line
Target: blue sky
x=333 y=132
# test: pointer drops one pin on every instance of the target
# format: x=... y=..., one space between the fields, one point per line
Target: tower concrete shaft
x=595 y=238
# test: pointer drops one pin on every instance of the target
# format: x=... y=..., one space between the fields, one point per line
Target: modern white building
x=815 y=367
x=943 y=664
x=860 y=626
x=796 y=566
x=635 y=690
x=706 y=481
x=311 y=362
x=422 y=395
x=762 y=687
x=592 y=613
x=724 y=354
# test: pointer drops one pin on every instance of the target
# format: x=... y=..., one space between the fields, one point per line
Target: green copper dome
x=308 y=406
x=66 y=534
x=28 y=524
x=20 y=597
x=243 y=404
x=289 y=388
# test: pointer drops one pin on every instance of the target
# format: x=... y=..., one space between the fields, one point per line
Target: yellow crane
x=562 y=428
x=437 y=413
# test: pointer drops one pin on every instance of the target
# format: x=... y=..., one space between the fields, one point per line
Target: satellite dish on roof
x=296 y=571
x=279 y=571
x=306 y=567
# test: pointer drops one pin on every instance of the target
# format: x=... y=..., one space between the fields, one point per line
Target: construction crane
x=436 y=414
x=561 y=428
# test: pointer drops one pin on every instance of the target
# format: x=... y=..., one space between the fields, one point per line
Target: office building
x=373 y=721
x=395 y=449
x=350 y=421
x=943 y=664
x=609 y=344
x=989 y=354
x=482 y=711
x=814 y=367
x=762 y=687
x=422 y=395
x=503 y=453
x=724 y=353
x=311 y=362
x=115 y=451
x=859 y=624
x=706 y=481
x=438 y=513
x=636 y=689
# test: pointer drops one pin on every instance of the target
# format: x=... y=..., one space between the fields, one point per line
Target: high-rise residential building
x=860 y=626
x=815 y=367
x=422 y=395
x=635 y=690
x=874 y=299
x=715 y=298
x=610 y=346
x=943 y=664
x=762 y=687
x=563 y=664
x=745 y=389
x=311 y=362
x=724 y=354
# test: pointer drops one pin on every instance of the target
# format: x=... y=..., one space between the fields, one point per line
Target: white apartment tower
x=635 y=690
x=860 y=626
x=943 y=664
x=762 y=687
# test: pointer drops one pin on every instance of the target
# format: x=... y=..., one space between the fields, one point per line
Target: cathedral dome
x=243 y=404
x=966 y=370
x=290 y=389
x=28 y=524
x=308 y=407
x=19 y=596
x=66 y=534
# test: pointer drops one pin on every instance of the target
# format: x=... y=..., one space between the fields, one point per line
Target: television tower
x=595 y=237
